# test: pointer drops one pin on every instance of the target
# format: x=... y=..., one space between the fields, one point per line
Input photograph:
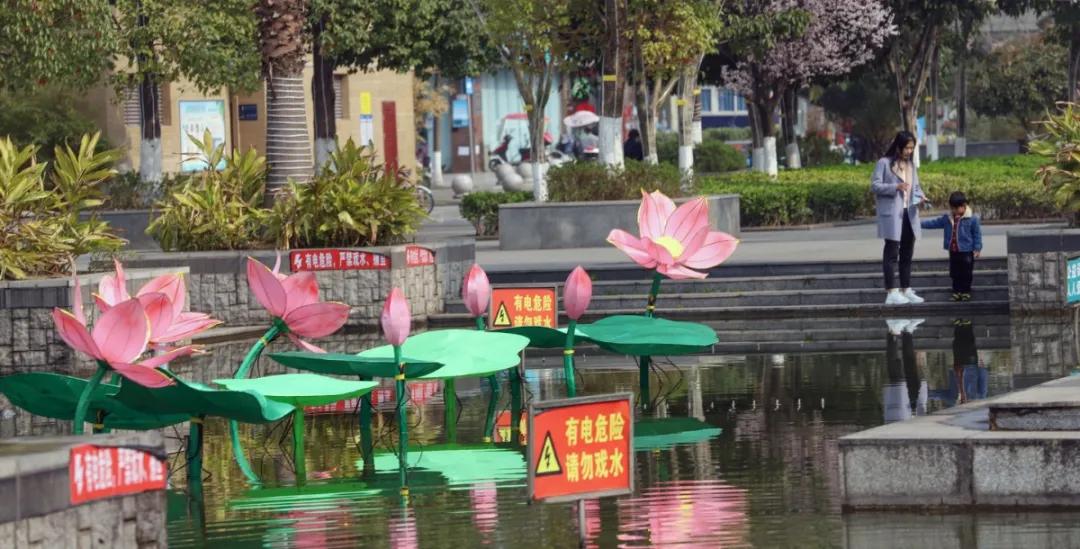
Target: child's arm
x=976 y=233
x=935 y=223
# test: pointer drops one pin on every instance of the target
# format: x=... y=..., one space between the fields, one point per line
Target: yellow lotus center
x=674 y=247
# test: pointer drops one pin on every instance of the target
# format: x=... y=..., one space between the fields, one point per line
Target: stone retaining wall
x=1037 y=268
x=37 y=511
x=556 y=225
x=217 y=283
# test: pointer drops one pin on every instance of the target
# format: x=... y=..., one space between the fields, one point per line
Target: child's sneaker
x=957 y=296
x=965 y=297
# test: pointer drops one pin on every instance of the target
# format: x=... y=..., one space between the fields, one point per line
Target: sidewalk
x=850 y=243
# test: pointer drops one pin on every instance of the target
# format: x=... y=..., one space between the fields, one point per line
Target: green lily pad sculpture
x=462 y=353
x=648 y=336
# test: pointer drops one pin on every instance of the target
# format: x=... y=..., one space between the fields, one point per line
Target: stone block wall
x=1037 y=268
x=28 y=340
x=37 y=511
x=1043 y=346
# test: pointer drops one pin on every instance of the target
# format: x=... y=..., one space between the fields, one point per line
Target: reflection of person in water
x=904 y=394
x=968 y=378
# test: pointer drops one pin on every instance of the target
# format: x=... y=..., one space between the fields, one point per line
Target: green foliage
x=710 y=156
x=998 y=188
x=45 y=117
x=482 y=209
x=727 y=134
x=353 y=201
x=1021 y=79
x=1061 y=146
x=592 y=181
x=215 y=210
x=44 y=226
x=868 y=102
x=817 y=151
x=67 y=43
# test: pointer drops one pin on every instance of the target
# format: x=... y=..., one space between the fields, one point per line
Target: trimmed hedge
x=482 y=209
x=593 y=182
x=710 y=156
x=998 y=188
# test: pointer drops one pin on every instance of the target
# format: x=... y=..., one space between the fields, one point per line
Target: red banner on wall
x=99 y=472
x=418 y=256
x=337 y=260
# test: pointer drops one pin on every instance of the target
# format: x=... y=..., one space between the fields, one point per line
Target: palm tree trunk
x=288 y=146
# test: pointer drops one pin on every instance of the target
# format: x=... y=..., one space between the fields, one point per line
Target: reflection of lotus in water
x=403 y=530
x=704 y=513
x=484 y=498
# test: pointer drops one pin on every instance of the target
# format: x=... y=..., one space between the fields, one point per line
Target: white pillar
x=771 y=164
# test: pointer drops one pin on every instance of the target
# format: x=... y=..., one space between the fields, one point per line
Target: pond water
x=759 y=468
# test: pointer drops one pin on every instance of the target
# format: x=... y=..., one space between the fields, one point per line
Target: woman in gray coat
x=896 y=189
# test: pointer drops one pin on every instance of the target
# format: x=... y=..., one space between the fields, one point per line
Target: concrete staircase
x=769 y=291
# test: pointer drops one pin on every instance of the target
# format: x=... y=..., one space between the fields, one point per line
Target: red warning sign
x=99 y=472
x=581 y=448
x=502 y=428
x=513 y=307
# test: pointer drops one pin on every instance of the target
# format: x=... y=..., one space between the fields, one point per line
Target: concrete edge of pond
x=952 y=459
x=38 y=508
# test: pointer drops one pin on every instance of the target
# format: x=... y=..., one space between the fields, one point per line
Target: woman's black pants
x=899 y=251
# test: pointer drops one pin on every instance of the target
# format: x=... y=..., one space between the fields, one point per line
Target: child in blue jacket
x=963 y=240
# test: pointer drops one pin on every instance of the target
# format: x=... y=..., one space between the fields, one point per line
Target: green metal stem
x=249 y=360
x=643 y=381
x=568 y=360
x=480 y=324
x=493 y=403
x=450 y=413
x=654 y=291
x=298 y=445
x=194 y=456
x=84 y=399
x=515 y=404
x=403 y=423
x=367 y=442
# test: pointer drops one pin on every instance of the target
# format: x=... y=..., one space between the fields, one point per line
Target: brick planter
x=1037 y=268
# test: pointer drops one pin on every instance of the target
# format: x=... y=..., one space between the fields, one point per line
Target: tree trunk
x=322 y=96
x=932 y=126
x=960 y=147
x=763 y=112
x=646 y=127
x=757 y=139
x=697 y=132
x=1074 y=62
x=150 y=128
x=288 y=145
x=436 y=143
x=789 y=111
x=687 y=84
x=611 y=153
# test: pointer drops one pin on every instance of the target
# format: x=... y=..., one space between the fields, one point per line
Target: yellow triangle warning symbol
x=502 y=318
x=548 y=464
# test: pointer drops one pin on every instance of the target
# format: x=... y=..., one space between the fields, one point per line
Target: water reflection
x=905 y=393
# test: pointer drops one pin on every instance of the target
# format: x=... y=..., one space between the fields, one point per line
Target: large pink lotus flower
x=120 y=336
x=674 y=241
x=476 y=291
x=169 y=322
x=577 y=293
x=396 y=319
x=295 y=300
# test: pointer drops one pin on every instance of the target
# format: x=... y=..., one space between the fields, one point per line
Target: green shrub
x=815 y=150
x=215 y=210
x=710 y=156
x=592 y=181
x=353 y=201
x=46 y=118
x=41 y=217
x=727 y=134
x=482 y=209
x=998 y=188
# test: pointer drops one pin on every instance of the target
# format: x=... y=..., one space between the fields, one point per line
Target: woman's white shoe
x=909 y=295
x=896 y=298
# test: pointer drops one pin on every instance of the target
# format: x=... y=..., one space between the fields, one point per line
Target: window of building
x=341 y=96
x=706 y=99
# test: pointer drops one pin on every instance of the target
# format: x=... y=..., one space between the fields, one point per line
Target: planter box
x=1037 y=268
x=532 y=226
x=131 y=225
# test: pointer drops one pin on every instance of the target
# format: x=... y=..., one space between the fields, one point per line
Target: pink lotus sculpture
x=577 y=293
x=396 y=319
x=169 y=323
x=476 y=293
x=294 y=303
x=674 y=241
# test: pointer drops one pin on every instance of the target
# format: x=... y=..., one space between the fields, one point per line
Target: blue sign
x=248 y=111
x=468 y=85
x=459 y=112
x=1072 y=281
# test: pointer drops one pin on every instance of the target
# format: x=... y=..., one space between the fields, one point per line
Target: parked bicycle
x=424 y=198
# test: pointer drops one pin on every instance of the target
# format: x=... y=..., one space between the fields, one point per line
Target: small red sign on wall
x=417 y=256
x=337 y=260
x=99 y=472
